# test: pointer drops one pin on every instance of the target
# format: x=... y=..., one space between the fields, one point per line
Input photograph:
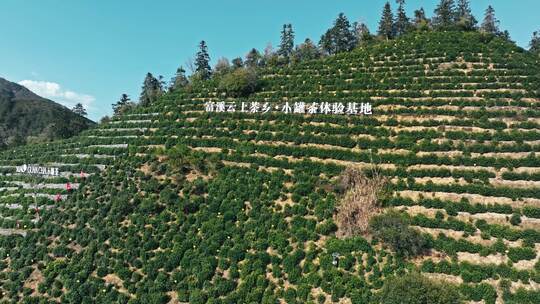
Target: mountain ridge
x=20 y=92
x=27 y=117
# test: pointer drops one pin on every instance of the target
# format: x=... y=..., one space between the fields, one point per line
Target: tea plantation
x=174 y=204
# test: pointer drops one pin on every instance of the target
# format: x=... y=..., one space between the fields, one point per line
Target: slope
x=245 y=215
x=27 y=117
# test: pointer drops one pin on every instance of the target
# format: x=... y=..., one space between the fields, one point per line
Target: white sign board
x=37 y=170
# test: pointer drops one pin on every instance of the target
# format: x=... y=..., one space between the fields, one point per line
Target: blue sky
x=93 y=51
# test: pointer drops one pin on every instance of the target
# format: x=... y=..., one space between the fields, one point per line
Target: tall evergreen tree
x=535 y=43
x=344 y=37
x=151 y=90
x=419 y=15
x=79 y=109
x=362 y=33
x=464 y=17
x=253 y=58
x=202 y=62
x=286 y=46
x=386 y=24
x=402 y=21
x=306 y=51
x=339 y=38
x=162 y=84
x=506 y=35
x=179 y=80
x=120 y=106
x=490 y=24
x=444 y=14
x=327 y=43
x=237 y=63
x=420 y=20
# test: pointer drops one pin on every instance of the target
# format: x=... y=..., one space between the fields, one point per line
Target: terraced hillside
x=246 y=215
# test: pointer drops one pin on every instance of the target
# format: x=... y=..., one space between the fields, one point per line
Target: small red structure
x=83 y=175
x=57 y=198
x=68 y=187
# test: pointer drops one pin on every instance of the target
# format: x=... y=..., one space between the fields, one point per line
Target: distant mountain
x=26 y=117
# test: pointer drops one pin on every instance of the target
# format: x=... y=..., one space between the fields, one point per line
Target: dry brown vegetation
x=360 y=202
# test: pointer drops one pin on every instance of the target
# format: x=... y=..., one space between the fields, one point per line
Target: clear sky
x=93 y=51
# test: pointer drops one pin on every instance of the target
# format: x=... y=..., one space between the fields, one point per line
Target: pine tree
x=402 y=21
x=535 y=43
x=362 y=33
x=179 y=80
x=421 y=22
x=151 y=90
x=120 y=106
x=464 y=16
x=327 y=43
x=202 y=62
x=286 y=46
x=339 y=38
x=344 y=38
x=506 y=35
x=253 y=58
x=490 y=24
x=79 y=109
x=444 y=14
x=124 y=99
x=162 y=84
x=237 y=63
x=306 y=51
x=386 y=25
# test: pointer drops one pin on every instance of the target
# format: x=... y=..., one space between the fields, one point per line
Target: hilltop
x=175 y=204
x=27 y=117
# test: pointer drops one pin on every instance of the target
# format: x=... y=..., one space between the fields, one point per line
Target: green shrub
x=521 y=253
x=241 y=82
x=392 y=228
x=416 y=289
x=515 y=219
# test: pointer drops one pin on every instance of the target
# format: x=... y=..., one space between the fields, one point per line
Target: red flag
x=58 y=197
x=68 y=186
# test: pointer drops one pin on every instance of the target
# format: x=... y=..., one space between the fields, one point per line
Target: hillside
x=27 y=117
x=172 y=204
